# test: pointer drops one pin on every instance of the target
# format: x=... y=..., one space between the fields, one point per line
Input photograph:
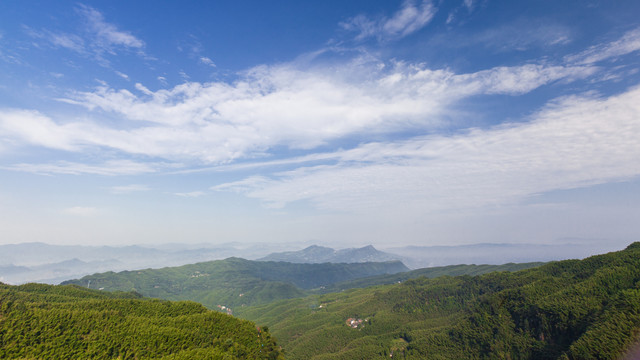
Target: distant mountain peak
x=313 y=247
x=320 y=254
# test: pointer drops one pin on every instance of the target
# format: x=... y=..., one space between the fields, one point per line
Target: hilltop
x=235 y=282
x=67 y=322
x=315 y=254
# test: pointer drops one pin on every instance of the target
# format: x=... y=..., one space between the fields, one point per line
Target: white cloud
x=468 y=4
x=184 y=75
x=282 y=106
x=205 y=60
x=450 y=18
x=192 y=194
x=108 y=35
x=630 y=42
x=268 y=107
x=108 y=168
x=244 y=185
x=34 y=128
x=576 y=142
x=522 y=35
x=122 y=75
x=96 y=38
x=84 y=211
x=409 y=19
x=68 y=41
x=128 y=189
x=143 y=89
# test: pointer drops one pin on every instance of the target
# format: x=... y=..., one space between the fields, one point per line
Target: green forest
x=431 y=272
x=573 y=309
x=234 y=282
x=68 y=322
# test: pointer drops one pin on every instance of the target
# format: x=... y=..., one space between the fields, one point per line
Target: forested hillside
x=234 y=282
x=574 y=309
x=432 y=272
x=67 y=322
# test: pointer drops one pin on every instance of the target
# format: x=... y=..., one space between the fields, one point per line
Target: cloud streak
x=97 y=38
x=567 y=145
x=128 y=189
x=628 y=43
x=410 y=18
x=192 y=194
x=218 y=122
x=108 y=168
x=107 y=35
x=83 y=211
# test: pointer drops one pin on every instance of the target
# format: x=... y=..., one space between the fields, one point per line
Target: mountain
x=67 y=322
x=417 y=257
x=40 y=262
x=234 y=282
x=315 y=254
x=571 y=309
x=432 y=272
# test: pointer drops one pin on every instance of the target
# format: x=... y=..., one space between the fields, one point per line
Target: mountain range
x=571 y=309
x=315 y=254
x=52 y=264
x=45 y=263
x=417 y=257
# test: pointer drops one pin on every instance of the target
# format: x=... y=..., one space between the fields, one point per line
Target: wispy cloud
x=283 y=106
x=192 y=194
x=68 y=41
x=410 y=18
x=58 y=39
x=469 y=4
x=96 y=38
x=195 y=50
x=107 y=35
x=629 y=43
x=122 y=75
x=84 y=211
x=128 y=189
x=108 y=168
x=567 y=145
x=520 y=34
x=205 y=60
x=35 y=128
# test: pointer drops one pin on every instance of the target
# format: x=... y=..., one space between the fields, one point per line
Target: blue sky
x=339 y=123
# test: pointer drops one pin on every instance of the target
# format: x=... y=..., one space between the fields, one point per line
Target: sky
x=337 y=123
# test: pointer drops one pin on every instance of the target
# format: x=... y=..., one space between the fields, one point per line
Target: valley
x=566 y=309
x=572 y=309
